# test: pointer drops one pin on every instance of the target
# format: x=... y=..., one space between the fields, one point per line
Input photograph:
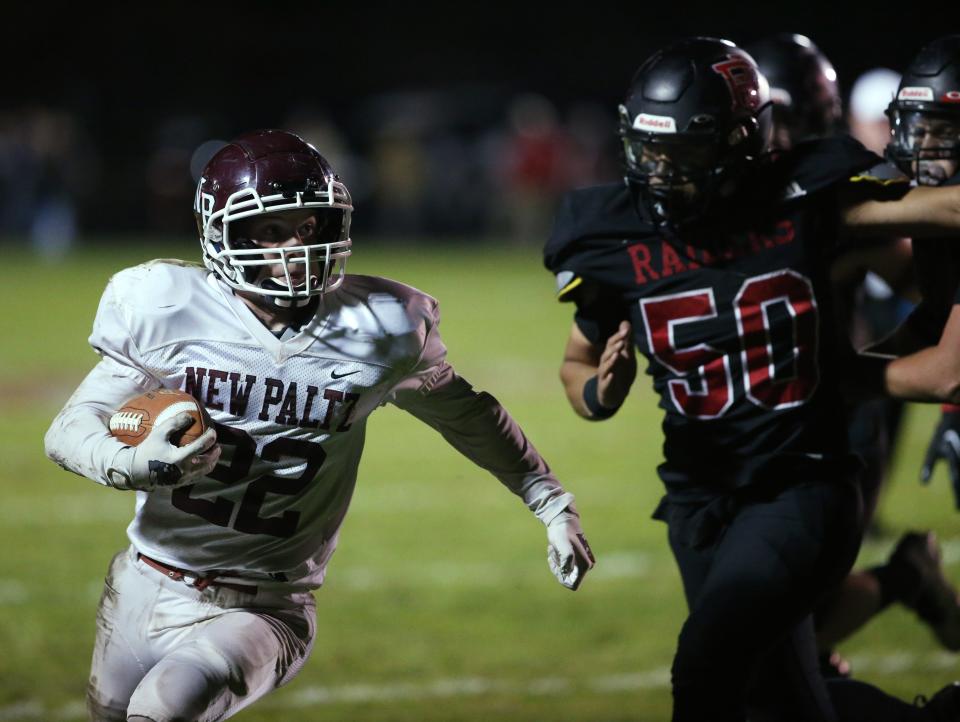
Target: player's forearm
x=923 y=212
x=574 y=375
x=79 y=439
x=941 y=217
x=932 y=374
x=481 y=429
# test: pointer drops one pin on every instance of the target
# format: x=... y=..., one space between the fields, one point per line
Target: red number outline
x=703 y=361
x=680 y=389
x=768 y=384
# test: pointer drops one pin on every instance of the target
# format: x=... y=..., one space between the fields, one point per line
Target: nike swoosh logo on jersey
x=335 y=375
x=794 y=190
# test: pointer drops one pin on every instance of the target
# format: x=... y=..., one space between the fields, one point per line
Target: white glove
x=156 y=462
x=568 y=552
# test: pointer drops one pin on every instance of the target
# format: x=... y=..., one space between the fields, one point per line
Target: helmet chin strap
x=280 y=301
x=289 y=302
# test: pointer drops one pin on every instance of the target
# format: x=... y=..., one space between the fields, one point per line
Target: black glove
x=945 y=445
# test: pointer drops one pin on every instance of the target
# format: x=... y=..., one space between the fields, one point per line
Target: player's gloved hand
x=945 y=445
x=157 y=463
x=568 y=552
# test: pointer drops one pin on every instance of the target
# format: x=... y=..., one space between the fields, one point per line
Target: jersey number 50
x=772 y=378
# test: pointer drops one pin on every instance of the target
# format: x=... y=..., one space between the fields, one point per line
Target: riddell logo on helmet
x=951 y=96
x=915 y=94
x=655 y=123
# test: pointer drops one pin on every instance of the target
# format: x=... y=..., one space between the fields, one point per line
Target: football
x=132 y=422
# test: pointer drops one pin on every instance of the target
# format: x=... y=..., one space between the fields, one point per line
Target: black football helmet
x=696 y=114
x=268 y=171
x=925 y=114
x=803 y=87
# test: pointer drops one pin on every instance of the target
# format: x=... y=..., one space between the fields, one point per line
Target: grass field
x=439 y=605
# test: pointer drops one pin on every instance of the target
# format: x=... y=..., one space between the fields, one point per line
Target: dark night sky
x=250 y=58
x=121 y=69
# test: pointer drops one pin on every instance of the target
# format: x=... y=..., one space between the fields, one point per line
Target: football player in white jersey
x=211 y=607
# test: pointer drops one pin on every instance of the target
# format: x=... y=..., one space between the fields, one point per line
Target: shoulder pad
x=159 y=284
x=147 y=305
x=387 y=290
x=380 y=307
x=597 y=212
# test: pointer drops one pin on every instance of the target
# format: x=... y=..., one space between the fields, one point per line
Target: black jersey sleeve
x=817 y=165
x=926 y=321
x=598 y=313
x=828 y=171
x=589 y=220
x=936 y=263
x=587 y=216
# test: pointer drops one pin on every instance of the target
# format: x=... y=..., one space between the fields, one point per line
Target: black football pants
x=747 y=647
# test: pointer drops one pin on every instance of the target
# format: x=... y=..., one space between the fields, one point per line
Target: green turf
x=438 y=605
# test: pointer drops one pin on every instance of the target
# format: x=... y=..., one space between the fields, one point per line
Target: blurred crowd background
x=442 y=163
x=447 y=126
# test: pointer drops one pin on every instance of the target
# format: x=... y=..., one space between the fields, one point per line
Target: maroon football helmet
x=267 y=171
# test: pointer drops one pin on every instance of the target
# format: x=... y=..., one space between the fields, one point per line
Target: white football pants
x=169 y=652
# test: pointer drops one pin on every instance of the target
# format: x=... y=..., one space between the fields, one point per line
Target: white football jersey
x=290 y=414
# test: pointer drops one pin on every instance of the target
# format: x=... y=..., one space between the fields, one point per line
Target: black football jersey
x=936 y=264
x=732 y=316
x=937 y=268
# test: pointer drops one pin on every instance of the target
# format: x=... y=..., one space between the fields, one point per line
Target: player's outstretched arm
x=597 y=379
x=921 y=212
x=481 y=429
x=931 y=374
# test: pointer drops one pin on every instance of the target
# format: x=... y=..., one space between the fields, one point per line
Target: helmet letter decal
x=741 y=79
x=203 y=203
